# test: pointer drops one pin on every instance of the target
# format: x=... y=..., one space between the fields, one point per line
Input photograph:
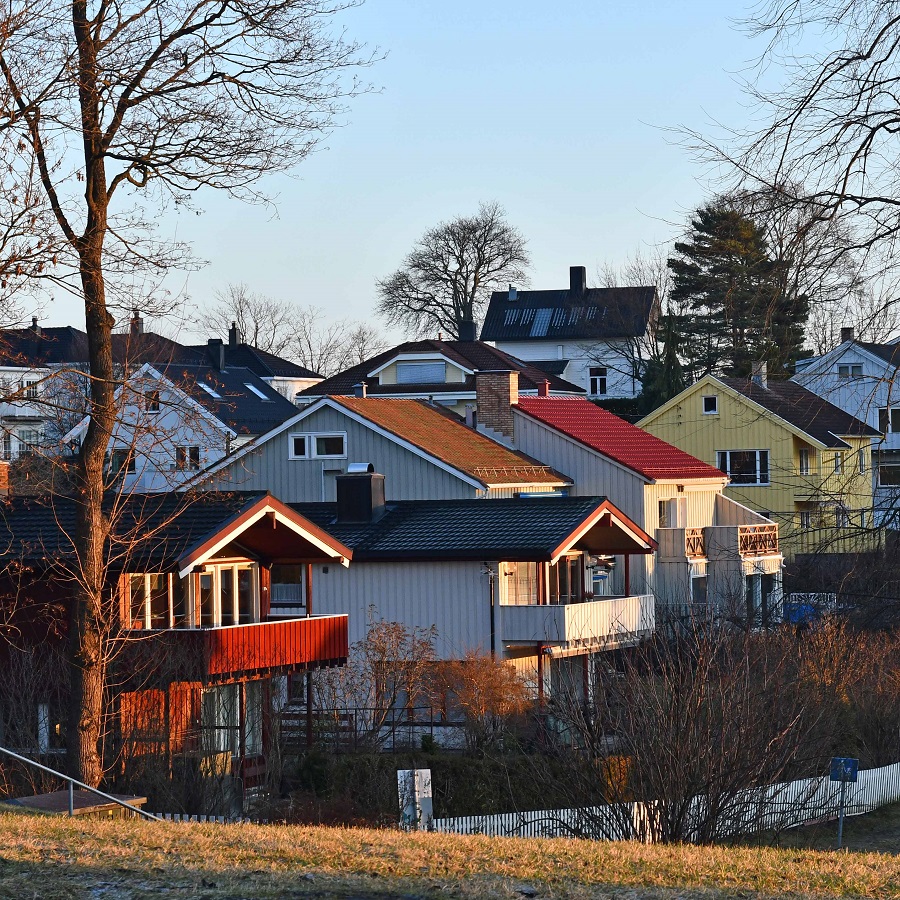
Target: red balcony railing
x=235 y=652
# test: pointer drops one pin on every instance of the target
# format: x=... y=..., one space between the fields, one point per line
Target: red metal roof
x=614 y=437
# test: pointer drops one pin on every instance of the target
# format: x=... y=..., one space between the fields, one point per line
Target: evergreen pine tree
x=732 y=290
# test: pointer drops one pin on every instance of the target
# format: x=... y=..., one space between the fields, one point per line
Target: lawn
x=52 y=858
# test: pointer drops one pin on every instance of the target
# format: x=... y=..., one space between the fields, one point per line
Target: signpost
x=843 y=769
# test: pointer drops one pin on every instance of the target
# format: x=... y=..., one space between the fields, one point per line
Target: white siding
x=453 y=596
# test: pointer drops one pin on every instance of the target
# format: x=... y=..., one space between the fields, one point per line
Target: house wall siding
x=452 y=596
x=407 y=476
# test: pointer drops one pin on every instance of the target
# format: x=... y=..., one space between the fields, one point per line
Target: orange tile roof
x=444 y=435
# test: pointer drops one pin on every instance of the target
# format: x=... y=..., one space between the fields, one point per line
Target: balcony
x=235 y=652
x=681 y=543
x=758 y=540
x=594 y=624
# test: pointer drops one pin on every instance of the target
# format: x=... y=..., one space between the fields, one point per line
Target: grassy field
x=52 y=858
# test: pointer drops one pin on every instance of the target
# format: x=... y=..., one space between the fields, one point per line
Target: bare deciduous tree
x=447 y=278
x=262 y=321
x=125 y=106
x=327 y=346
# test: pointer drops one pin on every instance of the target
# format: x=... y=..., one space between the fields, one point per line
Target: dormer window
x=422 y=372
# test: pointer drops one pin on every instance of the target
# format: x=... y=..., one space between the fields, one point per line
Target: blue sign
x=844 y=768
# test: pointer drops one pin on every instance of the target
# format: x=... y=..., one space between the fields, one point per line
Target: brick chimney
x=847 y=334
x=577 y=280
x=496 y=392
x=543 y=388
x=233 y=335
x=136 y=325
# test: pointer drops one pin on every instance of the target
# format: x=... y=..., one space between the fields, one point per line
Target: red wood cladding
x=292 y=643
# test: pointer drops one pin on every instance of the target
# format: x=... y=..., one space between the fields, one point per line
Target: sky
x=558 y=111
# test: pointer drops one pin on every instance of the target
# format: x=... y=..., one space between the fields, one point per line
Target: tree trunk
x=91 y=614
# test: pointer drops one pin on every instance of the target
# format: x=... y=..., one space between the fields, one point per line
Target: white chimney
x=760 y=376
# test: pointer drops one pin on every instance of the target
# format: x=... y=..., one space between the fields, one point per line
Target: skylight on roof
x=254 y=389
x=209 y=390
x=541 y=321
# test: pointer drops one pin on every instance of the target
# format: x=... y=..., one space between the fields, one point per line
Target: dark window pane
x=245 y=596
x=227 y=580
x=883 y=421
x=179 y=602
x=207 y=607
x=136 y=585
x=763 y=466
x=889 y=475
x=331 y=445
x=159 y=601
x=742 y=466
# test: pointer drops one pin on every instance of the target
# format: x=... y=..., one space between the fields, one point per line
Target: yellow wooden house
x=789 y=454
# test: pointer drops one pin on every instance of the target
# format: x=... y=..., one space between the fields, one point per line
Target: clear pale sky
x=556 y=110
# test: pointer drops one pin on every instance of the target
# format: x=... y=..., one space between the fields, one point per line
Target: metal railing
x=72 y=782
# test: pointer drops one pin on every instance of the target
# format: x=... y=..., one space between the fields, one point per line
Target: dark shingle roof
x=260 y=362
x=597 y=314
x=156 y=529
x=521 y=529
x=237 y=405
x=804 y=410
x=475 y=355
x=890 y=353
x=47 y=346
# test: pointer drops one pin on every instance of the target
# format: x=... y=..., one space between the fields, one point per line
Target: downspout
x=492 y=591
x=309 y=683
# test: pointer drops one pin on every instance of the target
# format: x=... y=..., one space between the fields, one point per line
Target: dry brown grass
x=56 y=858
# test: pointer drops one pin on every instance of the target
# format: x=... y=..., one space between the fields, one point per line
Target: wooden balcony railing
x=757 y=540
x=693 y=543
x=235 y=652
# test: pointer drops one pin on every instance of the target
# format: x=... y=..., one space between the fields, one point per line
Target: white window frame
x=291 y=439
x=411 y=365
x=715 y=404
x=229 y=569
x=595 y=379
x=727 y=469
x=850 y=370
x=805 y=462
x=838 y=463
x=311 y=438
x=888 y=413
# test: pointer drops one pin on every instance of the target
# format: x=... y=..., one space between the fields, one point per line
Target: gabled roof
x=238 y=404
x=260 y=362
x=806 y=411
x=446 y=437
x=617 y=439
x=515 y=530
x=42 y=347
x=164 y=532
x=596 y=314
x=890 y=353
x=470 y=355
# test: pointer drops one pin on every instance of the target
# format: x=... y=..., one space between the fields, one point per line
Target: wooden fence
x=775 y=806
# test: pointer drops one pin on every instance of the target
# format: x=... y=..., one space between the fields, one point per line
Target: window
x=28 y=440
x=889 y=420
x=673 y=513
x=121 y=461
x=744 y=466
x=862 y=462
x=711 y=406
x=838 y=463
x=522 y=584
x=330 y=445
x=567 y=580
x=597 y=376
x=805 y=459
x=255 y=390
x=297 y=444
x=287 y=585
x=156 y=600
x=842 y=517
x=850 y=371
x=30 y=389
x=151 y=401
x=806 y=518
x=421 y=372
x=227 y=595
x=888 y=476
x=210 y=390
x=187 y=458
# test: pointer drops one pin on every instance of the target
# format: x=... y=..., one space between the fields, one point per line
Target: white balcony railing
x=607 y=622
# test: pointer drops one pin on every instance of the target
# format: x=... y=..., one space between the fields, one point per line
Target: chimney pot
x=544 y=388
x=360 y=390
x=847 y=334
x=760 y=374
x=577 y=280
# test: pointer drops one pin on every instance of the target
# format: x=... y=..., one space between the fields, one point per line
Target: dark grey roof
x=596 y=314
x=550 y=366
x=803 y=409
x=519 y=529
x=156 y=529
x=237 y=405
x=475 y=355
x=42 y=347
x=260 y=362
x=890 y=353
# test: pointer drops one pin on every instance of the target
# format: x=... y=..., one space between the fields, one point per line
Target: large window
x=889 y=475
x=744 y=466
x=156 y=600
x=597 y=376
x=522 y=584
x=421 y=372
x=121 y=461
x=567 y=580
x=187 y=458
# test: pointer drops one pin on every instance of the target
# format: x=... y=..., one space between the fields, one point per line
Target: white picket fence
x=217 y=820
x=782 y=805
